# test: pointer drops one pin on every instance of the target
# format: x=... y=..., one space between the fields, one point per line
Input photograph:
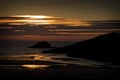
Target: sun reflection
x=35 y=66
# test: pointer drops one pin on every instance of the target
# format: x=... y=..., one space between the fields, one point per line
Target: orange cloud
x=42 y=20
x=18 y=30
x=48 y=38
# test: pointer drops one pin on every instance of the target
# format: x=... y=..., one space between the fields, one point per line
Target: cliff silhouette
x=105 y=48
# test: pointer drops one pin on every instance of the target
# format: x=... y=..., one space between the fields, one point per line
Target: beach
x=26 y=67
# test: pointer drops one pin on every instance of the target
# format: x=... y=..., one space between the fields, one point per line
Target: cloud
x=48 y=38
x=54 y=28
x=18 y=30
x=6 y=27
x=83 y=30
x=42 y=20
x=80 y=33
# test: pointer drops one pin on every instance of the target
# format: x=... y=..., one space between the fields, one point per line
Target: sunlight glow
x=35 y=20
x=33 y=16
x=35 y=66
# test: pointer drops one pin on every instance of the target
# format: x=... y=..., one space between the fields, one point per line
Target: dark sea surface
x=19 y=50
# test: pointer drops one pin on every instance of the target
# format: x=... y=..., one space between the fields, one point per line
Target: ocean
x=21 y=47
x=18 y=62
x=18 y=51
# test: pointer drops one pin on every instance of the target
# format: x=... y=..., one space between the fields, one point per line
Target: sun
x=35 y=19
x=33 y=16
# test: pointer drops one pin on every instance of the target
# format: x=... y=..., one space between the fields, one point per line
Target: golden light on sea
x=32 y=66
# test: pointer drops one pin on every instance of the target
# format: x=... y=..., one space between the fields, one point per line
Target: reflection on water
x=46 y=58
x=63 y=59
x=35 y=66
x=23 y=67
x=59 y=58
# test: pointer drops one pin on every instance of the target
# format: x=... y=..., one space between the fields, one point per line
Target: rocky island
x=42 y=44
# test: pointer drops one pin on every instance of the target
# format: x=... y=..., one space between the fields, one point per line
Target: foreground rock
x=42 y=44
x=104 y=48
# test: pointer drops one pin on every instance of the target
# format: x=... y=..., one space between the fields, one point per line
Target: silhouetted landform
x=105 y=48
x=42 y=44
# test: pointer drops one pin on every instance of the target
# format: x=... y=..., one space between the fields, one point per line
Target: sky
x=61 y=20
x=50 y=28
x=80 y=9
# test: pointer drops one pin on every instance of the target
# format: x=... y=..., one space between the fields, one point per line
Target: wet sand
x=46 y=70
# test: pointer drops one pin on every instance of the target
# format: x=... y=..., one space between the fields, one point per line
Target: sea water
x=19 y=51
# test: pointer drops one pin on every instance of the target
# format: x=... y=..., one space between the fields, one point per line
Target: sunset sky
x=57 y=19
x=81 y=9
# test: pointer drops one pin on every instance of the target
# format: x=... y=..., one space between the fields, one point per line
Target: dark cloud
x=47 y=30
